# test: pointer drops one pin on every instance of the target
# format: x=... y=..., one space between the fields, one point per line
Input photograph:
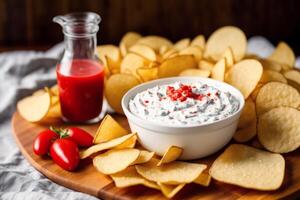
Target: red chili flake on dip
x=182 y=93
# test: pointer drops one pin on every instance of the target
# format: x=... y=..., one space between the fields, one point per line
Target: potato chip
x=279 y=129
x=171 y=173
x=54 y=111
x=270 y=75
x=109 y=129
x=229 y=57
x=248 y=114
x=144 y=51
x=245 y=75
x=110 y=51
x=223 y=38
x=54 y=90
x=199 y=41
x=115 y=160
x=205 y=64
x=251 y=56
x=173 y=66
x=246 y=133
x=249 y=168
x=293 y=77
x=105 y=145
x=270 y=65
x=35 y=108
x=113 y=66
x=116 y=86
x=123 y=49
x=39 y=92
x=163 y=50
x=169 y=53
x=147 y=74
x=195 y=72
x=275 y=94
x=155 y=42
x=283 y=54
x=129 y=39
x=129 y=177
x=170 y=190
x=171 y=154
x=182 y=44
x=204 y=179
x=145 y=156
x=131 y=63
x=256 y=90
x=218 y=71
x=192 y=50
x=130 y=143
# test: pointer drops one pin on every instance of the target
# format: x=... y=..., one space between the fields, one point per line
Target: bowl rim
x=142 y=122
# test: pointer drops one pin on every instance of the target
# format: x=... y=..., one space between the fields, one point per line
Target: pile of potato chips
x=42 y=106
x=117 y=154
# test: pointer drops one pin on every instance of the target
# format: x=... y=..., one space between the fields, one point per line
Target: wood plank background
x=28 y=23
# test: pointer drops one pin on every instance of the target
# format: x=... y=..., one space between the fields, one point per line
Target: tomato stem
x=62 y=132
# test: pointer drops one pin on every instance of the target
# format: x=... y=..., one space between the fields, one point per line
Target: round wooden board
x=86 y=179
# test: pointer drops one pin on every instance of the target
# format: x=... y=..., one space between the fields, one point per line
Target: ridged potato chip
x=116 y=86
x=155 y=42
x=109 y=129
x=105 y=145
x=248 y=114
x=279 y=129
x=131 y=62
x=173 y=66
x=293 y=77
x=221 y=39
x=283 y=54
x=35 y=108
x=171 y=173
x=275 y=94
x=245 y=75
x=170 y=190
x=199 y=41
x=270 y=75
x=144 y=51
x=246 y=133
x=218 y=71
x=248 y=167
x=195 y=72
x=171 y=154
x=192 y=50
x=129 y=177
x=182 y=44
x=115 y=160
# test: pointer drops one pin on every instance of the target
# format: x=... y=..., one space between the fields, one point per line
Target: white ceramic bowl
x=197 y=140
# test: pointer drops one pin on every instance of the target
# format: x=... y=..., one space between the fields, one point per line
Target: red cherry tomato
x=65 y=153
x=43 y=141
x=80 y=137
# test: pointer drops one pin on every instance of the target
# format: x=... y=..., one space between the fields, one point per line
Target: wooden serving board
x=86 y=179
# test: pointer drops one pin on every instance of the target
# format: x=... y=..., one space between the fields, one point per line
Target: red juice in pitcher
x=81 y=90
x=80 y=74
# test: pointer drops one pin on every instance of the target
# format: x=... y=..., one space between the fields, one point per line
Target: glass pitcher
x=80 y=74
